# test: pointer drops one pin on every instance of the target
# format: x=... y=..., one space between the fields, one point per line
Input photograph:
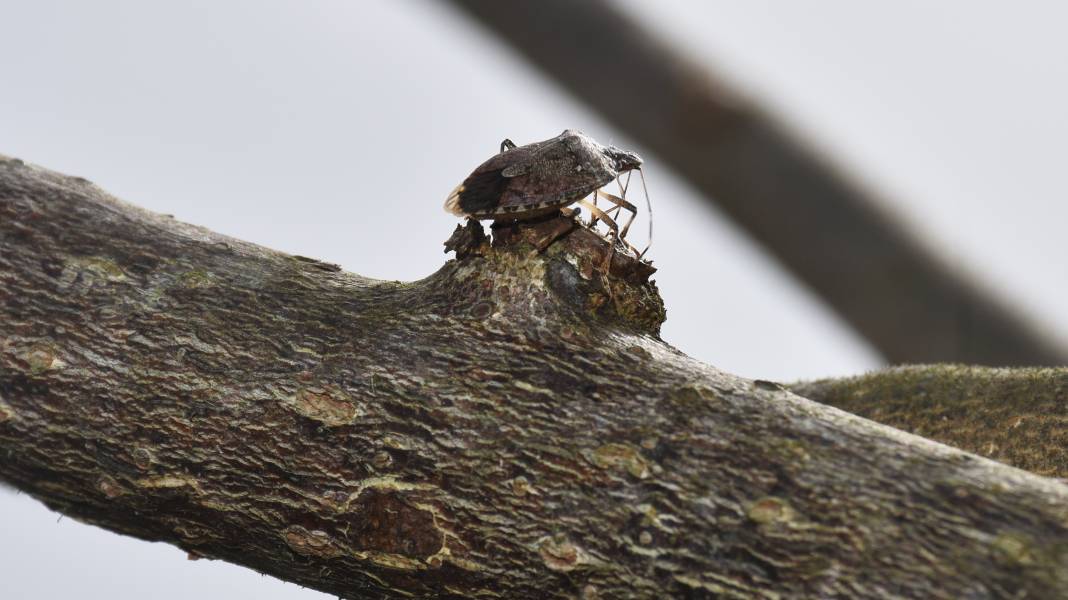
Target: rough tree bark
x=509 y=427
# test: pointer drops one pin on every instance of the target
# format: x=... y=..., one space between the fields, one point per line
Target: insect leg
x=593 y=215
x=507 y=144
x=622 y=204
x=600 y=214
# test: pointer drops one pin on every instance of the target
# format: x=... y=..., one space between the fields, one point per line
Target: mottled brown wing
x=481 y=193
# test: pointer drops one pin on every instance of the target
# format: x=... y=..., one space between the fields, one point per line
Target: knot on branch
x=584 y=275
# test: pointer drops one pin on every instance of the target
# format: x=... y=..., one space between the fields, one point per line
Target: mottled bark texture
x=1016 y=416
x=509 y=427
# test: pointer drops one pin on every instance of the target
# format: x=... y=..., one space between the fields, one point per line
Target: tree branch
x=510 y=427
x=1016 y=416
x=894 y=290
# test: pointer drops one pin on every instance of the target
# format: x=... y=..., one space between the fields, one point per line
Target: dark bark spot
x=482 y=310
x=14 y=385
x=481 y=191
x=566 y=283
x=384 y=521
x=52 y=266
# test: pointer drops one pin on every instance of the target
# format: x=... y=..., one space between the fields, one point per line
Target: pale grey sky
x=327 y=127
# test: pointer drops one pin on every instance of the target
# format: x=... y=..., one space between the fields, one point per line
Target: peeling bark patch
x=1013 y=550
x=526 y=387
x=620 y=456
x=520 y=486
x=559 y=554
x=693 y=396
x=310 y=543
x=170 y=482
x=195 y=279
x=109 y=487
x=381 y=459
x=41 y=358
x=194 y=534
x=395 y=442
x=142 y=458
x=98 y=267
x=384 y=521
x=7 y=413
x=770 y=510
x=325 y=404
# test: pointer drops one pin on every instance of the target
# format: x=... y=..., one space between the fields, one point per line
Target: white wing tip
x=452 y=203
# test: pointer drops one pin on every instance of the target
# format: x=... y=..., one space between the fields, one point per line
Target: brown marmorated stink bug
x=539 y=179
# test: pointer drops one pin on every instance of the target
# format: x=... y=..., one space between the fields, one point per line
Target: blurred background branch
x=1015 y=416
x=829 y=231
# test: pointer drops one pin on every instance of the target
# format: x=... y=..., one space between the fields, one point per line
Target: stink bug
x=525 y=182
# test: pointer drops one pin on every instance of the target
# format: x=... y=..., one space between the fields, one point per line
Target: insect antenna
x=623 y=187
x=649 y=207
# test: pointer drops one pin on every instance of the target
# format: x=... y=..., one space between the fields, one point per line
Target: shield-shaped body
x=540 y=178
